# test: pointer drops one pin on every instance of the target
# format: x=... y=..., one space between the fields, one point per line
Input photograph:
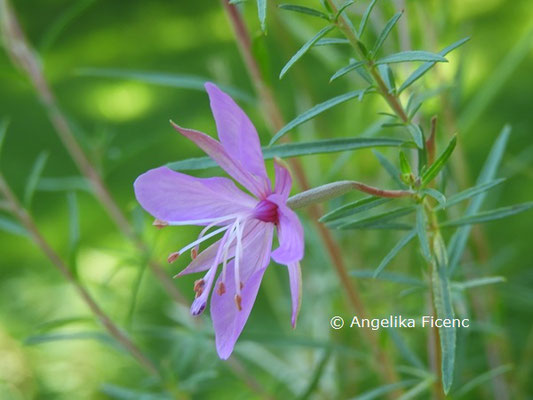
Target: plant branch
x=25 y=219
x=274 y=118
x=23 y=56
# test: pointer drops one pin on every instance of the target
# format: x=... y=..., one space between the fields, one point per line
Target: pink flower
x=245 y=221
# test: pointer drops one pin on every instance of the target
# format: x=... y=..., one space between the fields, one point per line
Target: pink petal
x=228 y=321
x=174 y=197
x=295 y=282
x=283 y=180
x=237 y=133
x=290 y=234
x=232 y=166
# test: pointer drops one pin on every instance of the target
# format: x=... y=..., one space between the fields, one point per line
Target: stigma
x=266 y=211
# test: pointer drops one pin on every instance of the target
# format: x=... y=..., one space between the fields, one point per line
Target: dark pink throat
x=266 y=211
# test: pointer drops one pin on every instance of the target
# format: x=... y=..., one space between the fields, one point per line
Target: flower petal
x=237 y=133
x=175 y=197
x=228 y=321
x=283 y=180
x=295 y=282
x=216 y=151
x=290 y=234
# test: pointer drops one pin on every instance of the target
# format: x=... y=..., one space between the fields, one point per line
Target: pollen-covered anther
x=159 y=224
x=194 y=253
x=173 y=257
x=221 y=289
x=199 y=287
x=238 y=301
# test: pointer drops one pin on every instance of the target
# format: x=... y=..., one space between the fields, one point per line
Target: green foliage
x=385 y=32
x=439 y=163
x=366 y=16
x=411 y=56
x=395 y=250
x=304 y=10
x=488 y=216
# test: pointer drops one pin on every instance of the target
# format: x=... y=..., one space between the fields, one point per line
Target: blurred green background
x=50 y=347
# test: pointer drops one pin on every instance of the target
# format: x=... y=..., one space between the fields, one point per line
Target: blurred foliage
x=50 y=348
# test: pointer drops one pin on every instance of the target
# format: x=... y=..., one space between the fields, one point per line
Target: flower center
x=266 y=211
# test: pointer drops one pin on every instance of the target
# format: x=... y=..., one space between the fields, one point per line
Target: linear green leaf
x=33 y=178
x=3 y=130
x=415 y=391
x=403 y=348
x=387 y=276
x=439 y=163
x=487 y=174
x=395 y=250
x=377 y=221
x=288 y=150
x=324 y=31
x=314 y=111
x=355 y=207
x=331 y=41
x=366 y=15
x=480 y=379
x=385 y=32
x=343 y=7
x=416 y=134
x=421 y=232
x=488 y=280
x=304 y=10
x=436 y=195
x=390 y=168
x=469 y=193
x=181 y=81
x=64 y=183
x=388 y=77
x=379 y=392
x=345 y=70
x=13 y=227
x=420 y=71
x=261 y=13
x=488 y=216
x=443 y=305
x=411 y=56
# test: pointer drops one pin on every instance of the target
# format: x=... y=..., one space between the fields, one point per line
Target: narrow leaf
x=388 y=77
x=379 y=392
x=411 y=56
x=488 y=172
x=439 y=163
x=314 y=111
x=488 y=216
x=420 y=71
x=376 y=221
x=387 y=276
x=33 y=179
x=13 y=227
x=288 y=150
x=436 y=195
x=304 y=10
x=470 y=192
x=385 y=32
x=390 y=168
x=331 y=41
x=345 y=70
x=304 y=49
x=443 y=306
x=415 y=391
x=343 y=7
x=261 y=13
x=358 y=206
x=181 y=81
x=366 y=15
x=488 y=280
x=62 y=184
x=3 y=130
x=421 y=232
x=481 y=379
x=416 y=134
x=395 y=250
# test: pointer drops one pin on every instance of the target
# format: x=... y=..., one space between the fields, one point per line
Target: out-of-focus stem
x=25 y=219
x=24 y=57
x=274 y=118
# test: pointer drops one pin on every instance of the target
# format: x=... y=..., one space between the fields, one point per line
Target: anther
x=194 y=253
x=159 y=224
x=199 y=287
x=241 y=285
x=173 y=257
x=238 y=301
x=221 y=289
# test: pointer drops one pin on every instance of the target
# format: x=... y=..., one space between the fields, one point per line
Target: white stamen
x=196 y=248
x=202 y=239
x=212 y=221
